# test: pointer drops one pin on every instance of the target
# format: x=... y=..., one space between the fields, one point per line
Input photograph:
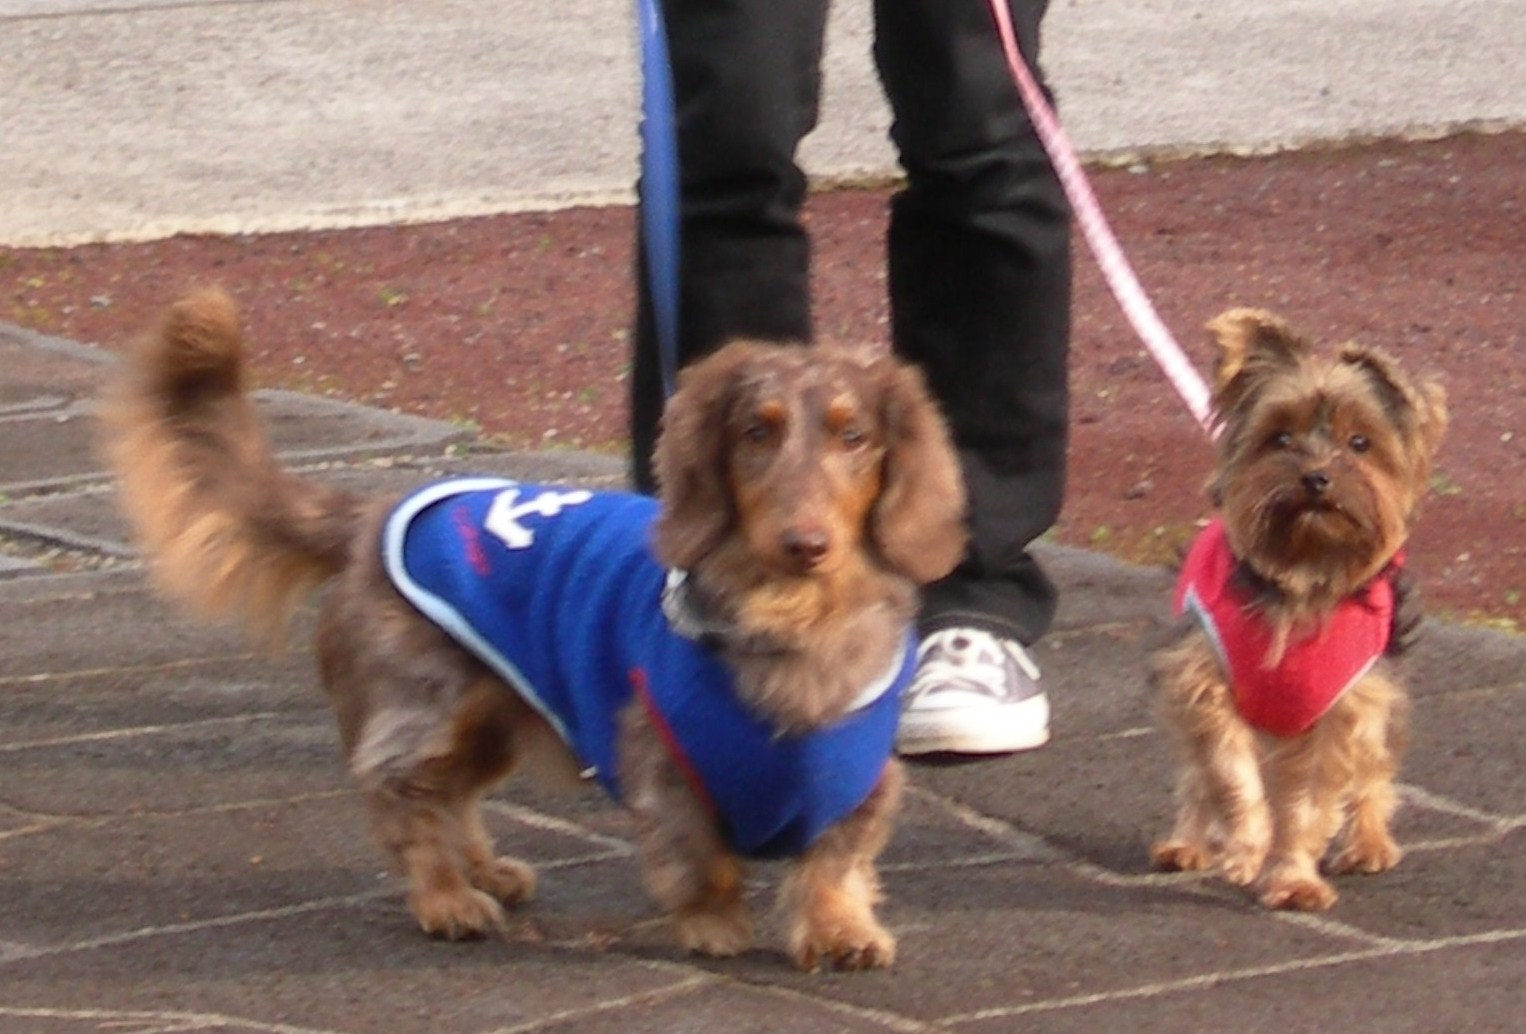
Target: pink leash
x=1099 y=236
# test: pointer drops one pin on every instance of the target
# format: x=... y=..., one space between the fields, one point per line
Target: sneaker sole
x=1026 y=727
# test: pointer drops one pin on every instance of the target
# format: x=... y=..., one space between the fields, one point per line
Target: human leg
x=979 y=253
x=746 y=80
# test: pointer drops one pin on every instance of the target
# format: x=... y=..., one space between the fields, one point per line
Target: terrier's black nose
x=1316 y=482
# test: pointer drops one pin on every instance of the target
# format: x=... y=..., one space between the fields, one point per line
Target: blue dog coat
x=557 y=591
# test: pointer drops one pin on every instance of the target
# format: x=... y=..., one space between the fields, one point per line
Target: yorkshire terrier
x=1282 y=691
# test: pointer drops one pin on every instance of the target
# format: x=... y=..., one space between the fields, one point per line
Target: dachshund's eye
x=1359 y=443
x=844 y=422
x=1282 y=440
x=763 y=423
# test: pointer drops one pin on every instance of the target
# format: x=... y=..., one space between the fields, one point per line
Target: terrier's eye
x=1359 y=443
x=1282 y=440
x=757 y=432
x=852 y=437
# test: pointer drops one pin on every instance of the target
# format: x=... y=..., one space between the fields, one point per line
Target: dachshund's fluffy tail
x=226 y=531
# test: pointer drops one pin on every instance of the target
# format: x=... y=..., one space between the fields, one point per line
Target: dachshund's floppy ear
x=690 y=457
x=919 y=520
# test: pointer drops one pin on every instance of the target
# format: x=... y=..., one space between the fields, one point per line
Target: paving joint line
x=1488 y=689
x=46 y=821
x=43 y=824
x=180 y=1022
x=135 y=732
x=891 y=1020
x=974 y=861
x=1419 y=795
x=555 y=824
x=692 y=981
x=199 y=925
x=1216 y=979
x=995 y=828
x=1060 y=637
x=37 y=678
x=1485 y=839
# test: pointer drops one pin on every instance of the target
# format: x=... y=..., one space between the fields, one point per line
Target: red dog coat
x=1288 y=699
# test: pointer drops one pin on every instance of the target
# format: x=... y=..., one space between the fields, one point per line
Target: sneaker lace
x=970 y=655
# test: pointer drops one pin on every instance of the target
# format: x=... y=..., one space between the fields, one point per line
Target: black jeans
x=978 y=252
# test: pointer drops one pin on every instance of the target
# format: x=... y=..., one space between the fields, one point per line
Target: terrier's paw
x=1245 y=848
x=1242 y=861
x=1365 y=857
x=1180 y=856
x=1298 y=894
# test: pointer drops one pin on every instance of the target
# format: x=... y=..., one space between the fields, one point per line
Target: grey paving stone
x=1467 y=988
x=726 y=1006
x=43 y=372
x=993 y=937
x=1097 y=800
x=166 y=768
x=1468 y=748
x=75 y=625
x=1456 y=658
x=88 y=517
x=210 y=690
x=1463 y=892
x=58 y=449
x=1099 y=590
x=282 y=970
x=147 y=867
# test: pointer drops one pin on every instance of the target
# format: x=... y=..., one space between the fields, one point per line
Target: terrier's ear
x=1253 y=345
x=1252 y=337
x=1435 y=424
x=1419 y=408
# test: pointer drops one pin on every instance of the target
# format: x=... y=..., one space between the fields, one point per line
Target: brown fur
x=1264 y=809
x=807 y=492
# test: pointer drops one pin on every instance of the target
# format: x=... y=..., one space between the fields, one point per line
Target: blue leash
x=659 y=185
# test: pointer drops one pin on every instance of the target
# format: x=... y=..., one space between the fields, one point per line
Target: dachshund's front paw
x=715 y=932
x=846 y=946
x=460 y=915
x=507 y=879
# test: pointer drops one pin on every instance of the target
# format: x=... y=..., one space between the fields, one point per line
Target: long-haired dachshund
x=728 y=661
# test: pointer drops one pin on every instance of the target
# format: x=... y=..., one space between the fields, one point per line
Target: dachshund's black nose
x=1316 y=482
x=806 y=546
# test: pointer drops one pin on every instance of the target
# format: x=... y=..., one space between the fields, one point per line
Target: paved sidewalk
x=180 y=850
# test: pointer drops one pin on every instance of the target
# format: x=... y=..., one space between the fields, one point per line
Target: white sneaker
x=974 y=693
